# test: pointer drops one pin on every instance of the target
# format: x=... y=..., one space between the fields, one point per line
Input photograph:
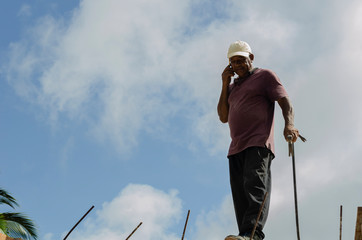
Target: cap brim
x=244 y=54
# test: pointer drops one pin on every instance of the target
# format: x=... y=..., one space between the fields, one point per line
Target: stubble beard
x=244 y=72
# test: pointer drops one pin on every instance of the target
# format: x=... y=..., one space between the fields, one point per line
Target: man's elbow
x=223 y=114
x=223 y=119
x=284 y=101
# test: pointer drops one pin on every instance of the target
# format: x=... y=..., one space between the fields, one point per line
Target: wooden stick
x=291 y=152
x=134 y=231
x=187 y=219
x=259 y=214
x=340 y=223
x=78 y=222
x=358 y=233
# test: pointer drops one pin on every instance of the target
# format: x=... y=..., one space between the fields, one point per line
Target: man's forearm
x=223 y=105
x=287 y=110
x=288 y=114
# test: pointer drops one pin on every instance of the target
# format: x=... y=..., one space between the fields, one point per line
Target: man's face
x=241 y=65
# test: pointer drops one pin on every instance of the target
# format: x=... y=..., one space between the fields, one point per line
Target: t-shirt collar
x=240 y=80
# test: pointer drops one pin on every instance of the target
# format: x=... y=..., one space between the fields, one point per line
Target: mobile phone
x=231 y=68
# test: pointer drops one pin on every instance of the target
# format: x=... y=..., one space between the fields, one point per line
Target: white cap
x=239 y=48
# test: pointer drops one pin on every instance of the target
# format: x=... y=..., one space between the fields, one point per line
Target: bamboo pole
x=340 y=223
x=134 y=231
x=358 y=233
x=187 y=219
x=78 y=222
x=259 y=214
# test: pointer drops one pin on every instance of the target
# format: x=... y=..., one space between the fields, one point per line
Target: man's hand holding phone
x=227 y=74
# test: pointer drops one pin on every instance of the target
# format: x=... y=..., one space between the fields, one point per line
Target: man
x=247 y=104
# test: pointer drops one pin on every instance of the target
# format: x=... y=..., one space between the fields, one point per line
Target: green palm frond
x=6 y=198
x=17 y=225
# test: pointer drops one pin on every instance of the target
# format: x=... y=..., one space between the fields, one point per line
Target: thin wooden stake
x=259 y=214
x=358 y=233
x=187 y=219
x=134 y=231
x=340 y=223
x=291 y=152
x=78 y=222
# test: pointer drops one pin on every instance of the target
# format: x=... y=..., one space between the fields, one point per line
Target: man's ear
x=251 y=56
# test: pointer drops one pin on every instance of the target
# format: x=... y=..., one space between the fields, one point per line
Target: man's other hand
x=290 y=130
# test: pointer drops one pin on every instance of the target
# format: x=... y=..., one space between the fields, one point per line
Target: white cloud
x=66 y=153
x=157 y=210
x=48 y=236
x=160 y=212
x=129 y=67
x=217 y=223
x=25 y=10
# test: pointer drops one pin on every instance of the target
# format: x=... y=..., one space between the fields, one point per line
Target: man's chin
x=242 y=74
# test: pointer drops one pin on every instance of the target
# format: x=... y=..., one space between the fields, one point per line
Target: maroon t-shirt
x=251 y=110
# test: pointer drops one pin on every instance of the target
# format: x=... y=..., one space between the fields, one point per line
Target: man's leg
x=250 y=179
x=236 y=169
x=257 y=183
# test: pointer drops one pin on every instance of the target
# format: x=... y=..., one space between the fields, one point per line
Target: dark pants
x=250 y=179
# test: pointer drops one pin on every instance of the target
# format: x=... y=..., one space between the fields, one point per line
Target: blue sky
x=113 y=104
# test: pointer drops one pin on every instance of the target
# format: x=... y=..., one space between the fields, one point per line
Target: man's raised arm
x=223 y=105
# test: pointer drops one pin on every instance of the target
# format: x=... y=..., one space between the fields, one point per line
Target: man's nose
x=237 y=64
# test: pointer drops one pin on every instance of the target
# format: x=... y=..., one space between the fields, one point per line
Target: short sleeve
x=274 y=88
